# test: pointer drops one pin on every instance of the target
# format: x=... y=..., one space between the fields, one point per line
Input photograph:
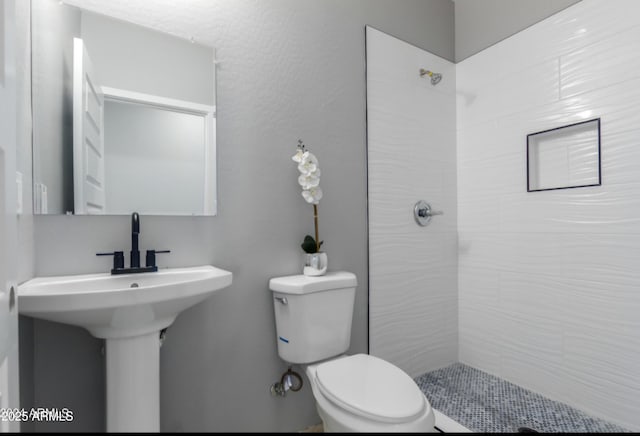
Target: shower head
x=435 y=77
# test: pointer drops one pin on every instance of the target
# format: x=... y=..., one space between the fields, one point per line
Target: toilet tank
x=313 y=315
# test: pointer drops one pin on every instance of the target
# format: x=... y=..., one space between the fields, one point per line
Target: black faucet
x=135 y=231
x=134 y=267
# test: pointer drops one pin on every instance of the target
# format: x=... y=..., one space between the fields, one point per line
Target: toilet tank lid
x=301 y=284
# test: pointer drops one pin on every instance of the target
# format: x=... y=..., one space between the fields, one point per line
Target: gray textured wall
x=482 y=23
x=290 y=69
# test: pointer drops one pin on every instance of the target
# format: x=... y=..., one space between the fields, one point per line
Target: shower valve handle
x=422 y=212
x=426 y=212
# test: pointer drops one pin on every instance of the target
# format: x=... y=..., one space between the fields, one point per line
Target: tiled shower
x=542 y=286
x=411 y=157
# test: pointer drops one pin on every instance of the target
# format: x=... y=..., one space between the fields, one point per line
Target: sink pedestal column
x=133 y=383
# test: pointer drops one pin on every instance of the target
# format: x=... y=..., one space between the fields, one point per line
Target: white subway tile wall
x=549 y=282
x=411 y=156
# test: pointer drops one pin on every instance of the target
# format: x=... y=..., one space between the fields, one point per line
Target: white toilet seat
x=370 y=387
x=365 y=393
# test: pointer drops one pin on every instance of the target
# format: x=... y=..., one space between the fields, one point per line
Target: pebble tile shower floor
x=484 y=403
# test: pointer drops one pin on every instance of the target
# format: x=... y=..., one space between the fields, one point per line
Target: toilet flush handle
x=282 y=300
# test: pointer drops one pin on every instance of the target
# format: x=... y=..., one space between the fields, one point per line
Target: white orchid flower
x=308 y=181
x=313 y=195
x=308 y=164
x=298 y=156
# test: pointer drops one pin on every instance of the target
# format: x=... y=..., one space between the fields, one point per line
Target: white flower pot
x=315 y=264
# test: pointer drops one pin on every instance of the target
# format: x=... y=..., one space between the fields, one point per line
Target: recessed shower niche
x=564 y=157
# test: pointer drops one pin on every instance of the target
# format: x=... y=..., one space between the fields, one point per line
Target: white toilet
x=358 y=393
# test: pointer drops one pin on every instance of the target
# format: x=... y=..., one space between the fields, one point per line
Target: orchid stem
x=315 y=221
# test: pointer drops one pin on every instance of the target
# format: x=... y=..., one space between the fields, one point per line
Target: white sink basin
x=112 y=306
x=128 y=311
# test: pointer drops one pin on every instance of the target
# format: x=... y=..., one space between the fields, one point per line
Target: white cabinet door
x=88 y=135
x=9 y=392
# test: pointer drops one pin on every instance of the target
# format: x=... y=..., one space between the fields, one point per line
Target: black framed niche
x=564 y=157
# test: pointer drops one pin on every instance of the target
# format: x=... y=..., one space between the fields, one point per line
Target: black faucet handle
x=151 y=256
x=118 y=258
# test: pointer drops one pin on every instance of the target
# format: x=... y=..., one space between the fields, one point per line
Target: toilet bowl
x=358 y=393
x=362 y=393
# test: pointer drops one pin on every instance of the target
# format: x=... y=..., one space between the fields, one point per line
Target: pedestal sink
x=128 y=311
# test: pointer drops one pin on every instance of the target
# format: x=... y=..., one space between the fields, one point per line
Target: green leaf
x=309 y=245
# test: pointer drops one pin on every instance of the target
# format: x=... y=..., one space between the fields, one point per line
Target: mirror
x=123 y=117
